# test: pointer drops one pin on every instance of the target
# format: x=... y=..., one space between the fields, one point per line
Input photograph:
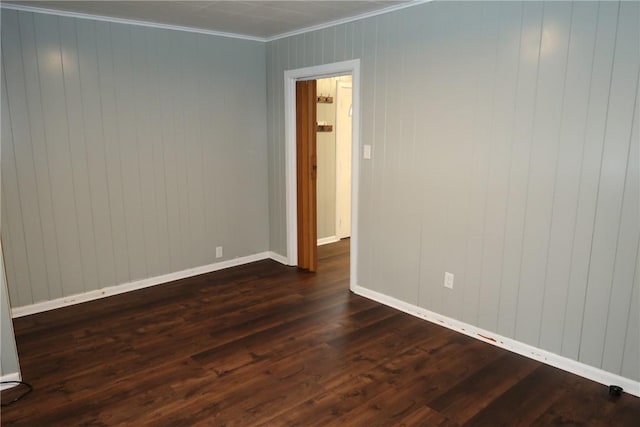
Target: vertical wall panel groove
x=505 y=84
x=522 y=265
x=503 y=323
x=556 y=173
x=93 y=133
x=111 y=144
x=78 y=151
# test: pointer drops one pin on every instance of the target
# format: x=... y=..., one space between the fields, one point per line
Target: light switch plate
x=366 y=152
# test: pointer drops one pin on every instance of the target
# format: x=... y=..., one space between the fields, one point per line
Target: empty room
x=419 y=213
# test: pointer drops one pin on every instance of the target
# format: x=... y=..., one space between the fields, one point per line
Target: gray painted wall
x=507 y=155
x=128 y=152
x=8 y=352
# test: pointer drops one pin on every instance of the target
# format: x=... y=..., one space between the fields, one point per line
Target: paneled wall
x=127 y=153
x=9 y=364
x=505 y=150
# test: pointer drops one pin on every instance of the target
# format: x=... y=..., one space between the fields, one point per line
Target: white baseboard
x=595 y=374
x=278 y=258
x=14 y=376
x=132 y=286
x=327 y=240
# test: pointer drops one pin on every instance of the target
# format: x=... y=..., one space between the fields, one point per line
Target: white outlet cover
x=448 y=280
x=219 y=252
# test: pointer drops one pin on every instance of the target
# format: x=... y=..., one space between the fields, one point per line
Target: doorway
x=351 y=67
x=344 y=130
x=333 y=142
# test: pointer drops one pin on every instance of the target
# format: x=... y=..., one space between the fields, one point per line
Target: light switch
x=366 y=151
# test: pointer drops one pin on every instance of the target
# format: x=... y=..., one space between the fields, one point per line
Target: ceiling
x=254 y=19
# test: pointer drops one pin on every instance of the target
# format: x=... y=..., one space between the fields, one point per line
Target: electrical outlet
x=448 y=280
x=219 y=252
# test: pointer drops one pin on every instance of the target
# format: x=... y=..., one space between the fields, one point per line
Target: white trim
x=393 y=8
x=278 y=258
x=132 y=286
x=79 y=15
x=14 y=376
x=327 y=240
x=290 y=77
x=595 y=374
x=126 y=21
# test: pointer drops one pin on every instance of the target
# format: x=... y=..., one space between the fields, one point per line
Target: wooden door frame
x=313 y=73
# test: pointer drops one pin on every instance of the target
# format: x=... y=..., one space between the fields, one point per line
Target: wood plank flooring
x=264 y=344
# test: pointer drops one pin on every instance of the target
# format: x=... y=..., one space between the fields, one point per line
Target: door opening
x=333 y=158
x=296 y=228
x=344 y=113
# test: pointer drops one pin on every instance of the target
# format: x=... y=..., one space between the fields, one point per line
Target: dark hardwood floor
x=264 y=344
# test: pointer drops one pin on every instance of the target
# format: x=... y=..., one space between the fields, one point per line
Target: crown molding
x=389 y=9
x=24 y=8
